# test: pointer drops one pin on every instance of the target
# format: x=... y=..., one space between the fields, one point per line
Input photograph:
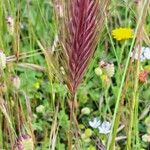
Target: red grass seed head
x=83 y=22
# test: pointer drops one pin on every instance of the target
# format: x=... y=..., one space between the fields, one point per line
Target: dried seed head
x=2 y=60
x=24 y=142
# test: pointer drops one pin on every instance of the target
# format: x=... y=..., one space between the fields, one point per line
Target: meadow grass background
x=33 y=96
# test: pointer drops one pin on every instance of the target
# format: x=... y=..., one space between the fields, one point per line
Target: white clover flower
x=95 y=123
x=2 y=60
x=144 y=54
x=105 y=127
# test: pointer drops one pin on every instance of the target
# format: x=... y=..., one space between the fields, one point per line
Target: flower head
x=107 y=68
x=122 y=33
x=144 y=53
x=105 y=127
x=95 y=123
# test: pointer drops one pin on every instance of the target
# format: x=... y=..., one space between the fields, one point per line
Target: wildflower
x=2 y=60
x=107 y=68
x=24 y=142
x=143 y=76
x=144 y=53
x=122 y=33
x=104 y=128
x=95 y=123
x=85 y=111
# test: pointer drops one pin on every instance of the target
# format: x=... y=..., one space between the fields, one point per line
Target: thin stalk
x=112 y=43
x=107 y=100
x=115 y=122
x=72 y=102
x=134 y=100
x=136 y=122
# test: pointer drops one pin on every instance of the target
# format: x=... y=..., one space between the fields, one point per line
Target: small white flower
x=95 y=123
x=105 y=127
x=144 y=54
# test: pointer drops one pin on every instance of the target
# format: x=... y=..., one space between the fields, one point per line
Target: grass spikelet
x=83 y=23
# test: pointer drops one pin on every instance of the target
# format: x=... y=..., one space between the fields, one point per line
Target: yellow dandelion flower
x=122 y=33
